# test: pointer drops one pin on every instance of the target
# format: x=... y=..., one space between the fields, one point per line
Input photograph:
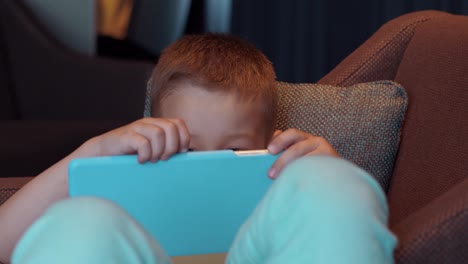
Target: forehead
x=214 y=114
x=192 y=101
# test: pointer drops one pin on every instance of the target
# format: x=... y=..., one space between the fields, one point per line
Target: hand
x=296 y=144
x=152 y=139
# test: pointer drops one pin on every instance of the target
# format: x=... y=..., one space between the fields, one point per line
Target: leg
x=320 y=210
x=87 y=230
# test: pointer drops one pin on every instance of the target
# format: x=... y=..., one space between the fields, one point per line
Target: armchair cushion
x=362 y=122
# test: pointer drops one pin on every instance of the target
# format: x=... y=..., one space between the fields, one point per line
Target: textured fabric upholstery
x=434 y=153
x=428 y=237
x=379 y=57
x=427 y=195
x=362 y=122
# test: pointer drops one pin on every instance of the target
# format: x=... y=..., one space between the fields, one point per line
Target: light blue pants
x=320 y=210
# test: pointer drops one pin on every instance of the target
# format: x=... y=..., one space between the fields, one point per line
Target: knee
x=83 y=206
x=334 y=184
x=326 y=203
x=85 y=216
x=87 y=230
x=69 y=226
x=85 y=209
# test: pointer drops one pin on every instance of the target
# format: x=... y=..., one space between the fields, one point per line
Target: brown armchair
x=427 y=53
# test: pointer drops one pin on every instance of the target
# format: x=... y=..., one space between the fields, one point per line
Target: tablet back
x=194 y=203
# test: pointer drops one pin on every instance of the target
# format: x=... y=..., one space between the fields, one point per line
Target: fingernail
x=271 y=149
x=272 y=173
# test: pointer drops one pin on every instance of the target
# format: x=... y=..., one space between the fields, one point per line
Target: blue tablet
x=194 y=203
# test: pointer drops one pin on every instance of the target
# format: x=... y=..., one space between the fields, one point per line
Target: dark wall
x=306 y=38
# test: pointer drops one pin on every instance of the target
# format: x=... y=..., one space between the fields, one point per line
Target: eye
x=235 y=149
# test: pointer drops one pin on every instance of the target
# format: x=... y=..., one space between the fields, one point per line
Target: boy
x=210 y=92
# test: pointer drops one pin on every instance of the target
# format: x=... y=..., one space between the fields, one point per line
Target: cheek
x=264 y=135
x=266 y=141
x=261 y=138
x=261 y=141
x=268 y=138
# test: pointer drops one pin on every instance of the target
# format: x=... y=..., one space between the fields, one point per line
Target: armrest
x=29 y=147
x=379 y=57
x=437 y=233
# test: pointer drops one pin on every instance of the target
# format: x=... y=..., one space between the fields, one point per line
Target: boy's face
x=217 y=120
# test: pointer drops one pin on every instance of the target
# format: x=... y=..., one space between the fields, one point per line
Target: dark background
x=305 y=39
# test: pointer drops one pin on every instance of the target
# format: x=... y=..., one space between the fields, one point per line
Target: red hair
x=219 y=63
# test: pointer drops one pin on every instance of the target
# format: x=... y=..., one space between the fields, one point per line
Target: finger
x=324 y=148
x=275 y=134
x=172 y=138
x=177 y=137
x=286 y=139
x=156 y=137
x=292 y=153
x=136 y=143
x=184 y=134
